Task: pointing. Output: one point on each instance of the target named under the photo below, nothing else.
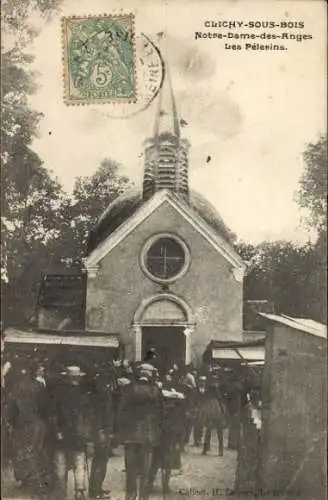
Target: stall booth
(55, 349)
(238, 368)
(293, 452)
(240, 362)
(285, 455)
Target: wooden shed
(292, 455)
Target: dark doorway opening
(169, 342)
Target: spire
(166, 119)
(166, 153)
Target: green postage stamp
(99, 59)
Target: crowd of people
(53, 421)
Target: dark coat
(190, 408)
(140, 413)
(213, 411)
(173, 421)
(173, 432)
(27, 417)
(26, 405)
(200, 396)
(73, 415)
(103, 408)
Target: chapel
(160, 269)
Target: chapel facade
(161, 270)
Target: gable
(166, 199)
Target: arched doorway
(165, 322)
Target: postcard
(163, 256)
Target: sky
(252, 112)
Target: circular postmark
(150, 71)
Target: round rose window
(164, 258)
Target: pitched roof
(302, 324)
(128, 203)
(145, 210)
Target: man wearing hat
(199, 399)
(187, 386)
(167, 455)
(152, 358)
(139, 418)
(102, 403)
(72, 424)
(27, 417)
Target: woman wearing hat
(72, 424)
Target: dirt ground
(201, 477)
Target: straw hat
(146, 370)
(123, 381)
(73, 371)
(146, 367)
(189, 381)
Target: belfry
(166, 153)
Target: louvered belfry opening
(166, 153)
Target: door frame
(188, 325)
(179, 332)
(188, 330)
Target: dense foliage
(294, 277)
(40, 224)
(313, 184)
(290, 276)
(42, 227)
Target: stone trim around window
(146, 247)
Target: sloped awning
(302, 324)
(55, 337)
(249, 352)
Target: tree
(19, 122)
(91, 196)
(313, 196)
(29, 196)
(283, 273)
(293, 276)
(31, 223)
(313, 184)
(40, 224)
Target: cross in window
(165, 258)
